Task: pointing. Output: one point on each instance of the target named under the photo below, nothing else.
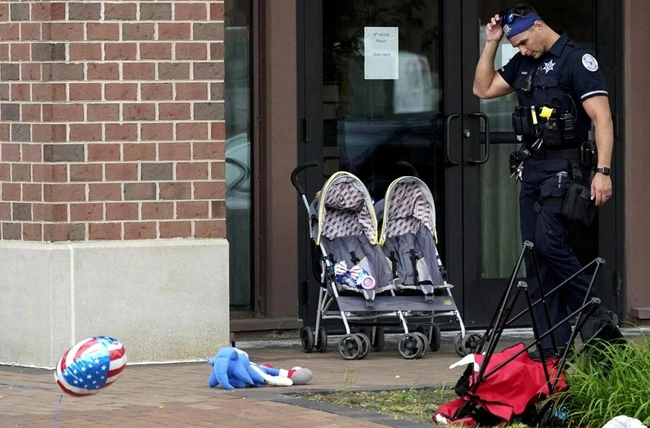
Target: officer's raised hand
(493, 30)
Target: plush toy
(298, 375)
(232, 369)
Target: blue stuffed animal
(233, 369)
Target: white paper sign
(381, 52)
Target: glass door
(387, 91)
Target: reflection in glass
(372, 126)
(238, 150)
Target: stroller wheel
(377, 340)
(436, 339)
(468, 344)
(425, 341)
(321, 344)
(307, 339)
(365, 346)
(350, 346)
(410, 346)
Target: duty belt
(573, 155)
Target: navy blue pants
(543, 225)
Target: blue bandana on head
(520, 24)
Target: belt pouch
(578, 207)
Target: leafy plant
(608, 380)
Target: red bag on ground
(508, 392)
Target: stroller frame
(381, 310)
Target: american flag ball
(90, 365)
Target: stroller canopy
(345, 209)
(408, 205)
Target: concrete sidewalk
(177, 395)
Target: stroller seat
(348, 231)
(408, 236)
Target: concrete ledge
(165, 300)
(640, 313)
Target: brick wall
(111, 120)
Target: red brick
(210, 190)
(173, 31)
(32, 232)
(138, 111)
(4, 53)
(86, 172)
(11, 32)
(209, 151)
(30, 72)
(140, 230)
(156, 91)
(216, 11)
(58, 232)
(103, 112)
(174, 111)
(49, 92)
(4, 11)
(5, 211)
(175, 229)
(193, 209)
(120, 51)
(105, 231)
(40, 11)
(191, 91)
(20, 52)
(218, 170)
(218, 131)
(5, 172)
(159, 51)
(192, 171)
(30, 31)
(103, 31)
(191, 51)
(103, 71)
(51, 212)
(85, 91)
(190, 11)
(21, 92)
(192, 131)
(31, 113)
(139, 151)
(11, 191)
(210, 229)
(85, 51)
(121, 132)
(139, 191)
(64, 31)
(87, 212)
(50, 173)
(218, 209)
(174, 151)
(63, 113)
(103, 152)
(32, 192)
(138, 71)
(48, 133)
(121, 171)
(157, 210)
(120, 12)
(86, 132)
(32, 153)
(105, 192)
(175, 191)
(4, 132)
(121, 91)
(156, 131)
(64, 192)
(122, 211)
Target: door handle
(448, 120)
(486, 155)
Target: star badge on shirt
(548, 66)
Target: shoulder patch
(589, 62)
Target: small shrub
(608, 380)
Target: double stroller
(378, 267)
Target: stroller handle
(297, 170)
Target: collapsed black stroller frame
(502, 319)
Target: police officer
(550, 71)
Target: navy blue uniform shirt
(566, 67)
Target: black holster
(578, 207)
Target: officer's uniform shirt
(566, 67)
